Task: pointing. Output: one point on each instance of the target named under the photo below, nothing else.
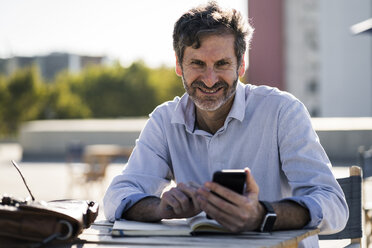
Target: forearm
(290, 215)
(144, 210)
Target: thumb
(251, 186)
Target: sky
(120, 29)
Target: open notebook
(198, 224)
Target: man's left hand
(238, 212)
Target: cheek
(190, 76)
(229, 77)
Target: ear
(242, 68)
(178, 67)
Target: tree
(22, 96)
(4, 99)
(95, 92)
(115, 91)
(61, 103)
(166, 83)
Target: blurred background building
(307, 48)
(50, 65)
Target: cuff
(128, 202)
(316, 214)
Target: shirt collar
(237, 110)
(185, 109)
(184, 113)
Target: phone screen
(232, 179)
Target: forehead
(213, 47)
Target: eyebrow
(227, 59)
(196, 60)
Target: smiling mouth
(210, 91)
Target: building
(50, 65)
(307, 48)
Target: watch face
(271, 218)
(268, 223)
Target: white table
(98, 235)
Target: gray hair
(210, 19)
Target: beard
(213, 102)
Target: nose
(210, 77)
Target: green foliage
(4, 99)
(95, 92)
(22, 96)
(115, 91)
(63, 104)
(167, 84)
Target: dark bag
(43, 222)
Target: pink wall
(266, 62)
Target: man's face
(210, 73)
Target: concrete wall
(50, 138)
(340, 137)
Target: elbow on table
(335, 222)
(108, 209)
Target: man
(221, 123)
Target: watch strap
(269, 218)
(267, 206)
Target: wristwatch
(269, 219)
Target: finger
(189, 191)
(224, 192)
(221, 213)
(251, 185)
(170, 202)
(234, 218)
(177, 200)
(194, 185)
(208, 201)
(182, 197)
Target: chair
(352, 187)
(98, 157)
(75, 166)
(88, 164)
(365, 162)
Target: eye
(222, 63)
(197, 62)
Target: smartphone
(233, 179)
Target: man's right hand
(179, 202)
